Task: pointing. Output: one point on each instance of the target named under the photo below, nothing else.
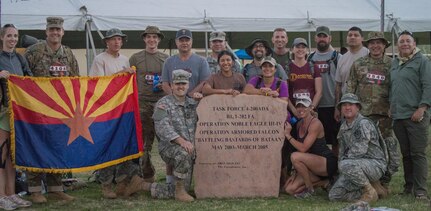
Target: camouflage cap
(376, 36)
(298, 41)
(323, 30)
(54, 22)
(114, 32)
(153, 30)
(270, 60)
(217, 35)
(180, 76)
(304, 100)
(349, 98)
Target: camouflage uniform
(369, 79)
(147, 65)
(361, 159)
(44, 62)
(173, 120)
(215, 67)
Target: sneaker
(306, 193)
(422, 197)
(19, 201)
(7, 204)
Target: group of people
(351, 102)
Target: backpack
(333, 59)
(277, 87)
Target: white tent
(226, 15)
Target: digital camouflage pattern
(361, 159)
(41, 59)
(172, 119)
(369, 79)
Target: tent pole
(382, 16)
(206, 44)
(87, 48)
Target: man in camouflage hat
(259, 49)
(50, 59)
(361, 157)
(149, 64)
(108, 63)
(175, 120)
(217, 45)
(369, 79)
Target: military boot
(121, 188)
(369, 194)
(60, 195)
(107, 191)
(181, 193)
(381, 191)
(38, 198)
(137, 184)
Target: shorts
(4, 119)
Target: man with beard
(217, 45)
(325, 60)
(356, 51)
(259, 49)
(281, 53)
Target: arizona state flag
(74, 124)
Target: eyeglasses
(405, 32)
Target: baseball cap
(298, 41)
(304, 100)
(183, 33)
(323, 30)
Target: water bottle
(156, 81)
(293, 120)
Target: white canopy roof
(225, 15)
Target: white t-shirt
(106, 64)
(344, 65)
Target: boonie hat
(264, 42)
(114, 32)
(180, 76)
(323, 30)
(153, 30)
(183, 33)
(349, 98)
(298, 41)
(304, 100)
(270, 60)
(54, 22)
(376, 36)
(217, 35)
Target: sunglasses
(405, 32)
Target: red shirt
(301, 81)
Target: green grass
(91, 199)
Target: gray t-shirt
(344, 65)
(196, 65)
(328, 77)
(251, 70)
